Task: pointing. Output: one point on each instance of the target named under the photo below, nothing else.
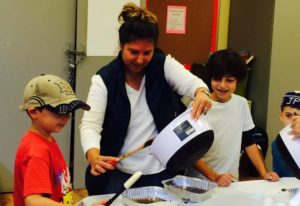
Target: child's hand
(295, 125)
(271, 176)
(224, 180)
(100, 203)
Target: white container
(183, 141)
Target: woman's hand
(100, 164)
(202, 102)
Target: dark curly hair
(226, 62)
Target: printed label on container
(184, 130)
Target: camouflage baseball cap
(52, 92)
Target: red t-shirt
(40, 168)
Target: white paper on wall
(103, 25)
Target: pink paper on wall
(176, 19)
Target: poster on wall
(103, 25)
(176, 19)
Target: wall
(223, 24)
(250, 28)
(270, 30)
(285, 64)
(85, 70)
(33, 39)
(198, 30)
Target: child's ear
(32, 112)
(281, 116)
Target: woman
(132, 99)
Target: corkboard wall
(194, 45)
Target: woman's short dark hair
(226, 63)
(137, 23)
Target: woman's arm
(180, 79)
(185, 83)
(92, 120)
(91, 126)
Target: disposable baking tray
(189, 188)
(149, 196)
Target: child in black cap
(290, 107)
(41, 176)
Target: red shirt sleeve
(36, 171)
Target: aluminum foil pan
(292, 192)
(149, 196)
(189, 188)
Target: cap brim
(68, 108)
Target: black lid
(193, 150)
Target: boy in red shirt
(41, 176)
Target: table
(245, 193)
(255, 192)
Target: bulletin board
(194, 45)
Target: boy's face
(287, 114)
(223, 88)
(47, 122)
